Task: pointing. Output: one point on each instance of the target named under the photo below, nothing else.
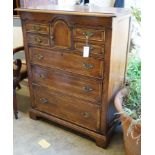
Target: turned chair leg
(19, 87)
(15, 104)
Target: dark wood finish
(15, 109)
(16, 4)
(19, 73)
(65, 87)
(17, 49)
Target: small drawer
(67, 108)
(37, 28)
(67, 61)
(38, 40)
(92, 34)
(94, 49)
(83, 88)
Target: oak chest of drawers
(65, 87)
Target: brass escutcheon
(86, 114)
(88, 34)
(87, 89)
(42, 76)
(44, 100)
(88, 66)
(39, 56)
(36, 27)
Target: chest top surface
(82, 10)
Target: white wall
(66, 2)
(110, 3)
(17, 33)
(102, 3)
(135, 3)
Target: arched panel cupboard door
(61, 35)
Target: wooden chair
(19, 73)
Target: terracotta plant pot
(132, 140)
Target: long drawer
(67, 61)
(83, 88)
(71, 109)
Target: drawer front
(68, 84)
(67, 108)
(92, 34)
(67, 62)
(38, 40)
(94, 49)
(37, 28)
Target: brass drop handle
(86, 114)
(88, 34)
(38, 40)
(52, 40)
(91, 47)
(52, 37)
(42, 76)
(39, 56)
(44, 100)
(87, 89)
(36, 27)
(88, 66)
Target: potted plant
(128, 104)
(128, 100)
